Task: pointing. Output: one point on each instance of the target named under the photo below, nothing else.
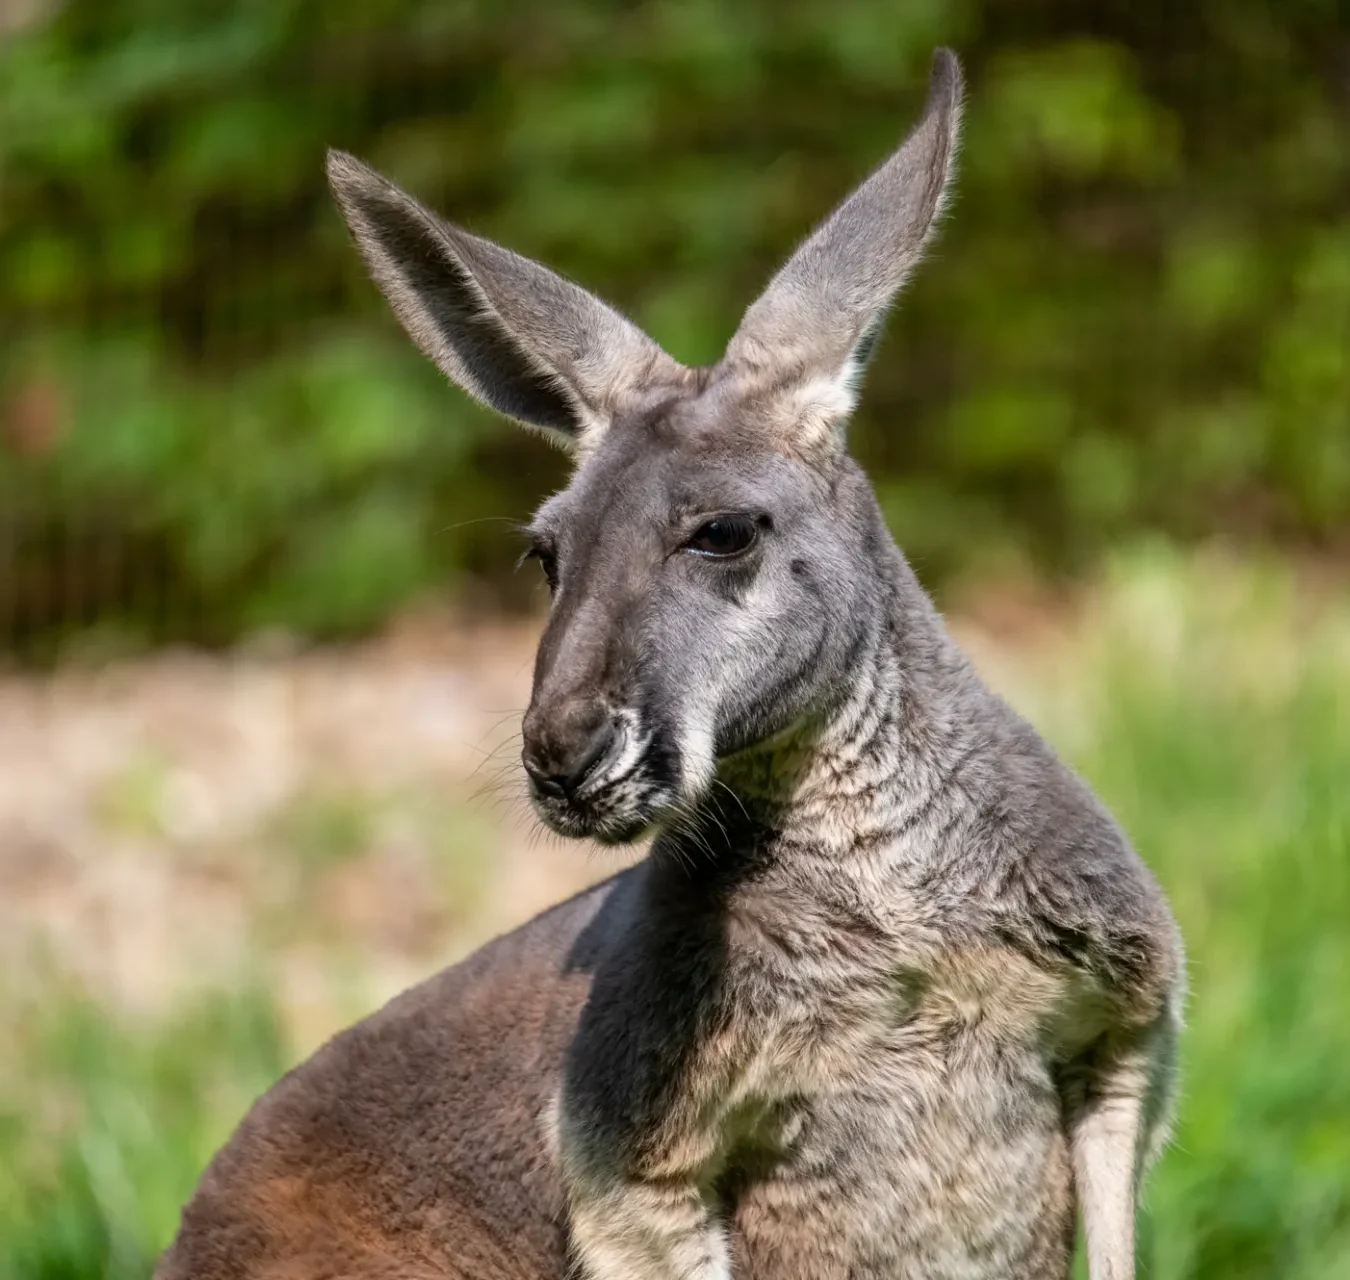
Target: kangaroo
(890, 995)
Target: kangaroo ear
(811, 331)
(521, 339)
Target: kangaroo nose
(560, 771)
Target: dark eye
(724, 536)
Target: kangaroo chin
(890, 995)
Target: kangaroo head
(713, 560)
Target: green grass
(1211, 707)
(111, 1124)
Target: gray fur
(890, 996)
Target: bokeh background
(262, 647)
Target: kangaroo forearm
(656, 1231)
(1119, 1104)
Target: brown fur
(414, 1143)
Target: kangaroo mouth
(617, 812)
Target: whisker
(464, 524)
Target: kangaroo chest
(849, 979)
(868, 1074)
(902, 1082)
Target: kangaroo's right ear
(510, 332)
(811, 331)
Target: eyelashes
(725, 536)
(548, 562)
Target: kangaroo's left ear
(812, 330)
(523, 340)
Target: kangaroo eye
(724, 536)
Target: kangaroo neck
(862, 774)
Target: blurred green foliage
(1139, 315)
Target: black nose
(560, 771)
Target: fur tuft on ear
(812, 330)
(512, 333)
